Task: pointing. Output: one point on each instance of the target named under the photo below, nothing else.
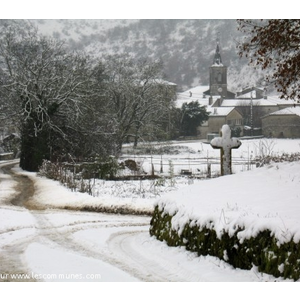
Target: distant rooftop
(193, 94)
(219, 111)
(196, 94)
(287, 111)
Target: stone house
(284, 123)
(217, 118)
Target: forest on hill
(186, 47)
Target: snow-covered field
(267, 197)
(59, 245)
(140, 195)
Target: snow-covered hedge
(262, 250)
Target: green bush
(103, 168)
(262, 250)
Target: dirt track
(11, 262)
(24, 189)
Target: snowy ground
(140, 195)
(52, 244)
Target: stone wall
(281, 126)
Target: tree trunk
(34, 148)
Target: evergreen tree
(192, 116)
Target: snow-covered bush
(262, 250)
(51, 170)
(262, 160)
(78, 177)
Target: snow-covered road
(51, 245)
(61, 245)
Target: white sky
(135, 9)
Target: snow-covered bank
(265, 198)
(51, 194)
(246, 219)
(139, 196)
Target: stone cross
(225, 143)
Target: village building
(218, 78)
(245, 111)
(284, 123)
(217, 118)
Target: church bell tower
(218, 75)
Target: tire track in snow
(62, 238)
(146, 265)
(121, 250)
(48, 232)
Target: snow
(270, 101)
(287, 111)
(220, 111)
(74, 29)
(193, 94)
(226, 143)
(6, 184)
(64, 267)
(53, 194)
(196, 94)
(264, 198)
(69, 245)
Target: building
(252, 92)
(218, 78)
(217, 118)
(243, 111)
(284, 123)
(212, 97)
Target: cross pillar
(225, 143)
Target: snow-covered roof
(270, 101)
(287, 111)
(193, 94)
(196, 94)
(219, 111)
(217, 65)
(248, 95)
(158, 81)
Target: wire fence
(192, 166)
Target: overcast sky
(136, 9)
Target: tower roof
(217, 57)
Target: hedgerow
(262, 250)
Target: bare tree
(45, 87)
(138, 97)
(68, 105)
(274, 45)
(251, 113)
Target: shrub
(262, 250)
(77, 177)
